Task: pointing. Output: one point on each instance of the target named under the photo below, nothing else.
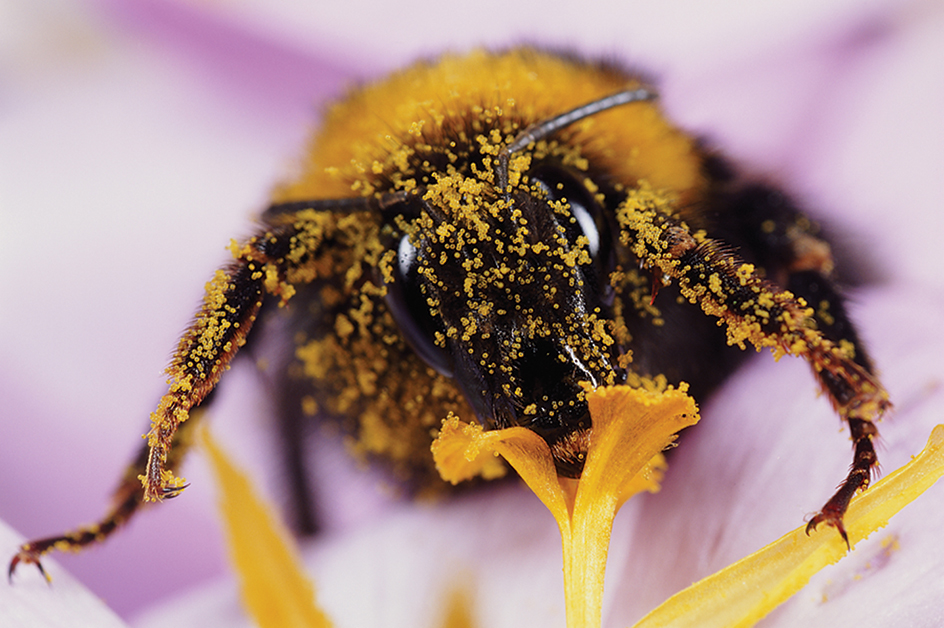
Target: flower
(632, 426)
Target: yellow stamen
(630, 429)
(458, 609)
(743, 593)
(275, 589)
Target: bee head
(499, 278)
(509, 294)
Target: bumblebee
(486, 234)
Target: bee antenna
(541, 130)
(338, 205)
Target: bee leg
(864, 461)
(204, 352)
(270, 263)
(787, 244)
(833, 321)
(831, 317)
(758, 311)
(774, 234)
(127, 498)
(829, 311)
(293, 432)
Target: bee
(485, 234)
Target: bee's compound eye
(582, 222)
(585, 218)
(409, 303)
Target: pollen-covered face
(508, 291)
